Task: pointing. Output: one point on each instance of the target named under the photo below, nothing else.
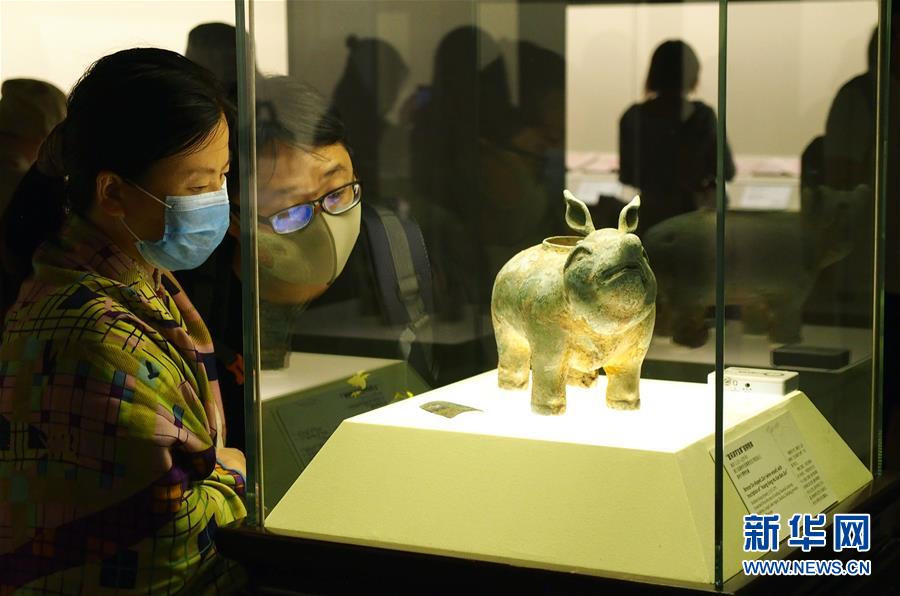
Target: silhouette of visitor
(366, 92)
(667, 143)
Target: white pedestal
(594, 491)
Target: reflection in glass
(297, 217)
(667, 144)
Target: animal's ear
(580, 251)
(628, 218)
(577, 215)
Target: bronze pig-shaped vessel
(572, 305)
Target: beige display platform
(594, 491)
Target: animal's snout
(628, 256)
(630, 240)
(631, 248)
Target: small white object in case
(757, 380)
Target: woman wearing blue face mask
(113, 471)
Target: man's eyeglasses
(335, 202)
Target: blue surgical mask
(194, 227)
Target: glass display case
(700, 360)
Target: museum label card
(774, 471)
(765, 197)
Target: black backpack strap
(403, 276)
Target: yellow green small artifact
(575, 304)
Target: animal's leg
(786, 321)
(622, 390)
(689, 327)
(548, 389)
(755, 318)
(514, 357)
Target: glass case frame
(249, 188)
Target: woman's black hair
(294, 113)
(129, 110)
(674, 68)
